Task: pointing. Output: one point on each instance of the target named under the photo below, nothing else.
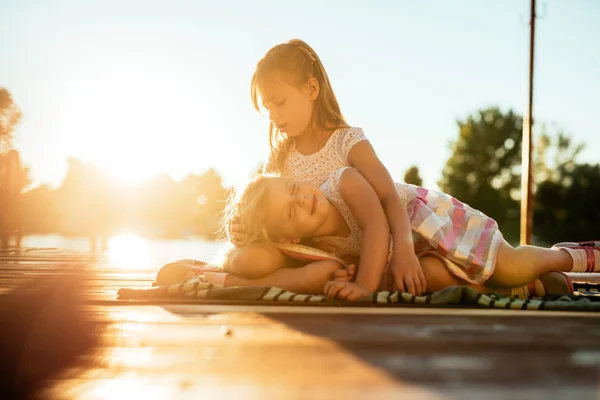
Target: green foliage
(88, 200)
(567, 193)
(412, 176)
(483, 170)
(10, 116)
(567, 209)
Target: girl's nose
(303, 200)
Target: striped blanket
(195, 290)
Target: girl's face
(290, 107)
(296, 210)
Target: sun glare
(125, 113)
(128, 252)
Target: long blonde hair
(298, 60)
(248, 207)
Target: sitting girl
(344, 217)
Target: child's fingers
(355, 295)
(423, 281)
(351, 269)
(417, 283)
(410, 285)
(341, 273)
(400, 284)
(334, 288)
(334, 292)
(398, 280)
(327, 286)
(344, 292)
(341, 276)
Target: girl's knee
(252, 261)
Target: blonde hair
(298, 60)
(248, 207)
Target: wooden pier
(222, 351)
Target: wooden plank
(159, 352)
(279, 351)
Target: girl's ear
(313, 89)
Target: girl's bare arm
(408, 273)
(308, 279)
(363, 202)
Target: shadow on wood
(44, 329)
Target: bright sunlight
(120, 111)
(128, 252)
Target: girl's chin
(291, 134)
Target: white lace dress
(465, 239)
(315, 168)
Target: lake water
(132, 252)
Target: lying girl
(345, 217)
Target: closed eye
(290, 190)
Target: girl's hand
(345, 290)
(408, 274)
(345, 274)
(238, 234)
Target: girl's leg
(308, 279)
(524, 264)
(438, 277)
(585, 255)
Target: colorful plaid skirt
(466, 237)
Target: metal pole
(527, 147)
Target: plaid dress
(465, 239)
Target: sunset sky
(147, 87)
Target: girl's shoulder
(344, 139)
(332, 183)
(348, 131)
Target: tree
(567, 193)
(484, 172)
(412, 176)
(207, 201)
(484, 168)
(554, 153)
(10, 115)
